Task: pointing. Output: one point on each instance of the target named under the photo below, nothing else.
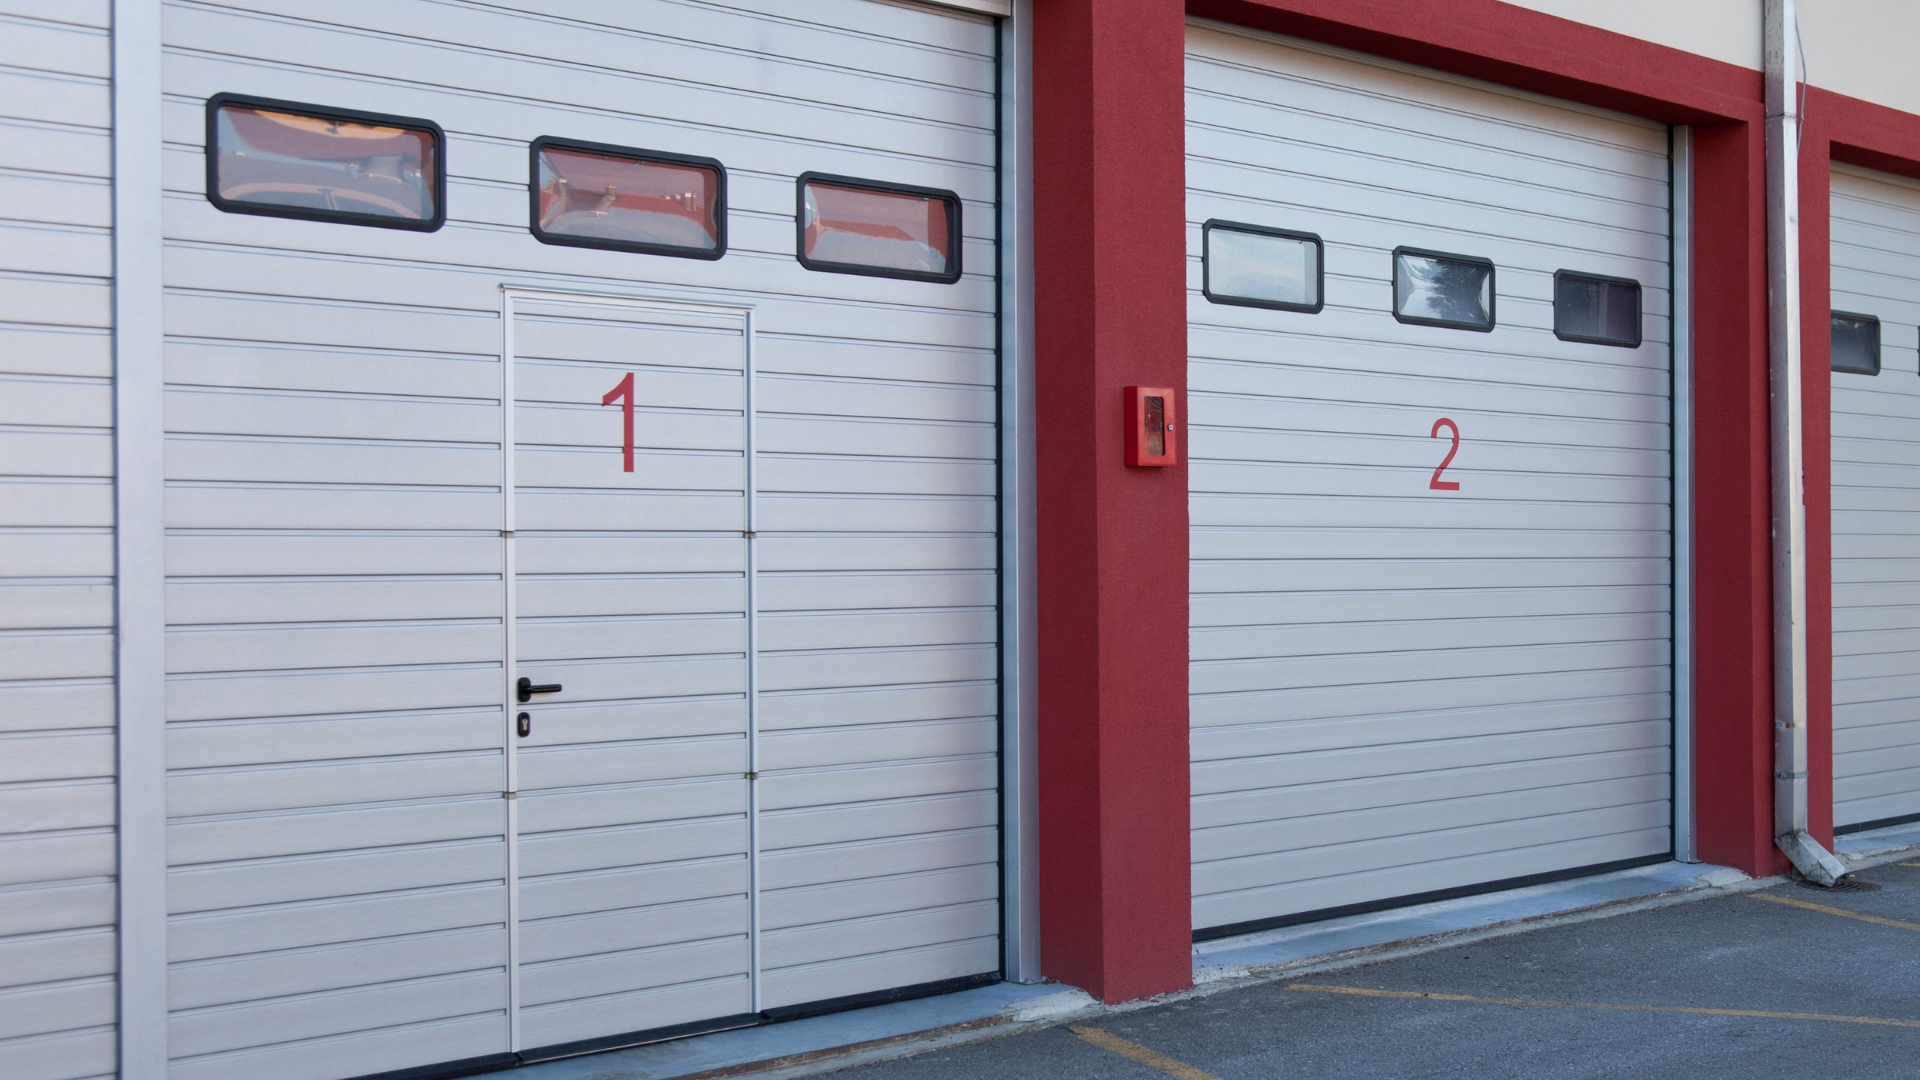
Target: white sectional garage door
(1876, 506)
(1401, 688)
(759, 767)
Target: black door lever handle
(527, 689)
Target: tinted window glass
(1437, 289)
(1258, 267)
(1856, 343)
(608, 197)
(1596, 309)
(361, 168)
(881, 229)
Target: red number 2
(1436, 483)
(624, 391)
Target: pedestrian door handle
(527, 689)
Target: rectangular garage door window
(594, 195)
(1598, 309)
(1856, 343)
(850, 226)
(1433, 288)
(1255, 266)
(285, 159)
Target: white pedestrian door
(1876, 500)
(630, 679)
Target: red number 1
(1436, 483)
(624, 392)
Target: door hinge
(748, 534)
(509, 794)
(506, 534)
(753, 776)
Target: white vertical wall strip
(1683, 812)
(140, 568)
(1019, 597)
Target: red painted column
(1816, 384)
(1733, 651)
(1110, 312)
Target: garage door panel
(1266, 807)
(305, 972)
(640, 762)
(1345, 612)
(1510, 236)
(323, 877)
(611, 637)
(1323, 82)
(246, 696)
(1286, 735)
(1306, 440)
(872, 705)
(1484, 806)
(1307, 639)
(1241, 141)
(1471, 544)
(897, 552)
(259, 789)
(716, 875)
(1455, 872)
(1249, 770)
(1378, 348)
(876, 513)
(1875, 431)
(1236, 609)
(1318, 671)
(874, 783)
(877, 667)
(904, 892)
(1482, 467)
(867, 974)
(1325, 862)
(831, 592)
(873, 820)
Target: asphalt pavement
(1788, 981)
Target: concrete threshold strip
(1611, 1006)
(839, 1041)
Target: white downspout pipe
(1783, 78)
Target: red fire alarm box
(1150, 426)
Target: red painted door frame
(1110, 311)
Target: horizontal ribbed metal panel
(1876, 505)
(57, 868)
(1397, 689)
(350, 892)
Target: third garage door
(1876, 491)
(1431, 483)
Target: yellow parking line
(1907, 864)
(1361, 991)
(1152, 1059)
(1842, 912)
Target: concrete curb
(1072, 1004)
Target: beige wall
(1863, 48)
(1726, 30)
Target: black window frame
(629, 153)
(1206, 266)
(955, 216)
(325, 112)
(1879, 343)
(1639, 331)
(1493, 291)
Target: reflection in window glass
(1856, 343)
(1261, 267)
(603, 198)
(1601, 310)
(1442, 290)
(277, 160)
(893, 233)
